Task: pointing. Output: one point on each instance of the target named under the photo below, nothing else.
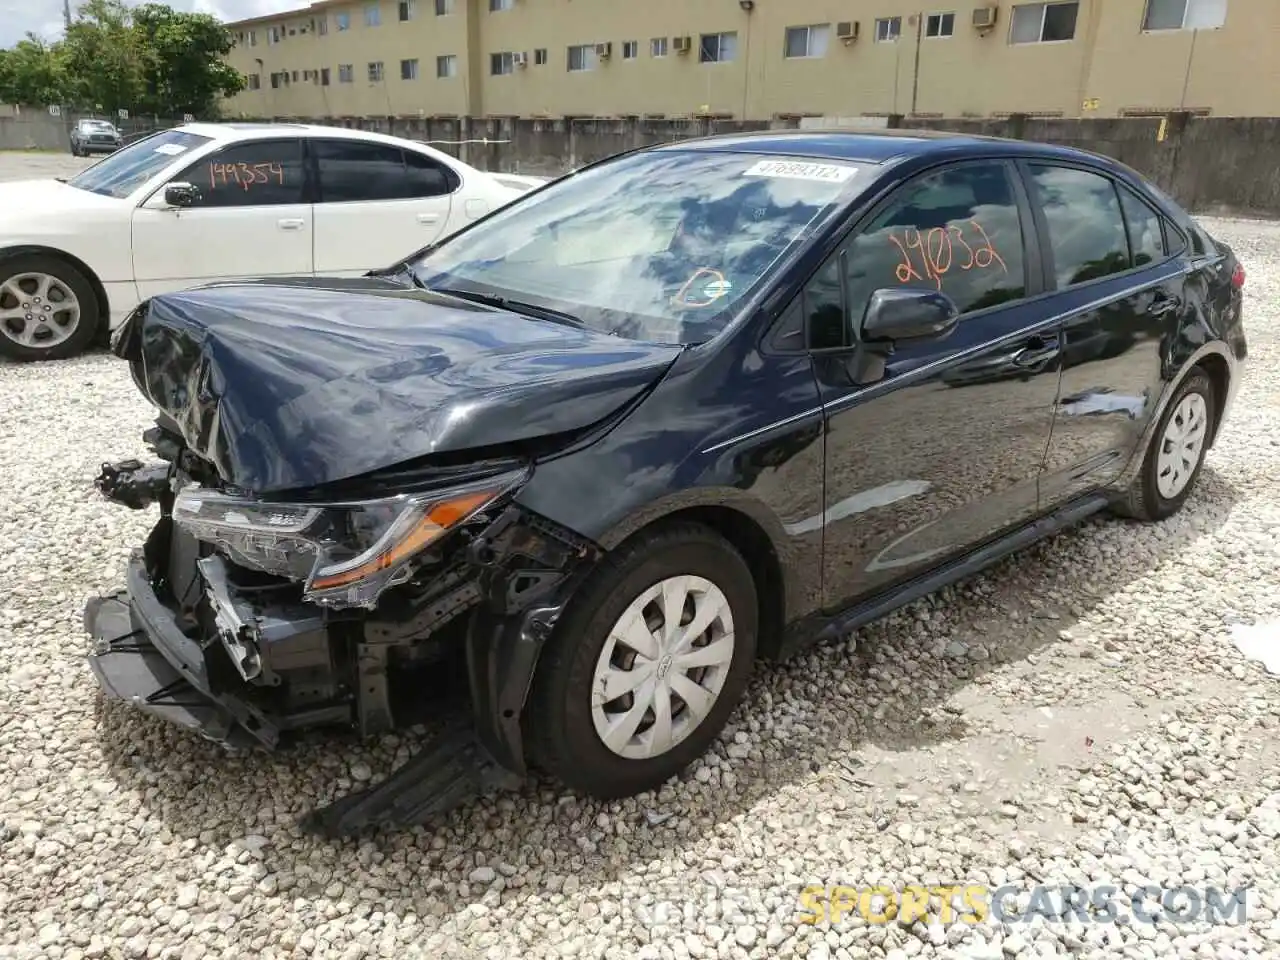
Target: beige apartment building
(760, 59)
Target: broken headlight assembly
(344, 554)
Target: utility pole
(66, 13)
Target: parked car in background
(94, 136)
(676, 411)
(207, 202)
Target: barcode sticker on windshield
(801, 170)
(172, 149)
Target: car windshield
(101, 126)
(659, 246)
(126, 170)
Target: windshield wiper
(517, 306)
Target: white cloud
(44, 17)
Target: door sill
(862, 613)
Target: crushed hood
(284, 385)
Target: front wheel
(48, 310)
(1176, 455)
(646, 665)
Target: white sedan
(205, 202)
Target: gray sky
(44, 17)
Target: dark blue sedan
(681, 409)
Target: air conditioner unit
(604, 50)
(521, 59)
(984, 18)
(682, 44)
(847, 30)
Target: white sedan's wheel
(48, 308)
(38, 310)
(1182, 444)
(662, 667)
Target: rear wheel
(1176, 455)
(48, 310)
(646, 665)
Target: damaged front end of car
(249, 615)
(244, 620)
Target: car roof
(264, 131)
(871, 146)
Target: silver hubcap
(37, 310)
(1181, 445)
(662, 667)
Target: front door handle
(291, 224)
(428, 218)
(1162, 305)
(1037, 351)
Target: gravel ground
(1076, 716)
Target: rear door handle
(428, 218)
(1038, 350)
(291, 224)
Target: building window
(405, 10)
(888, 29)
(346, 73)
(446, 67)
(254, 81)
(630, 49)
(1044, 22)
(372, 15)
(375, 71)
(717, 47)
(496, 5)
(940, 25)
(501, 64)
(253, 38)
(344, 20)
(805, 42)
(444, 8)
(295, 76)
(1184, 14)
(408, 69)
(540, 57)
(582, 58)
(324, 76)
(658, 47)
(275, 81)
(322, 26)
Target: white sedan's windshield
(656, 246)
(126, 170)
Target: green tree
(103, 58)
(185, 70)
(32, 73)
(152, 59)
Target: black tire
(75, 151)
(90, 315)
(559, 726)
(1143, 500)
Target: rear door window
(355, 170)
(1145, 228)
(1087, 236)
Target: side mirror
(181, 194)
(907, 315)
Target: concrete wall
(1208, 164)
(32, 128)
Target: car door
(376, 203)
(1107, 254)
(942, 451)
(250, 218)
